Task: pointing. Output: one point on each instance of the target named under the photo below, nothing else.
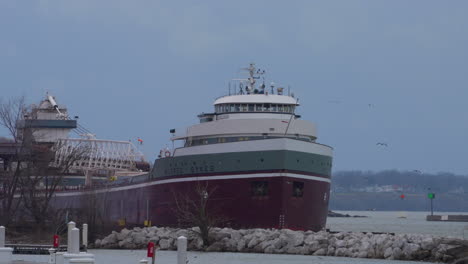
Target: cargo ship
(253, 160)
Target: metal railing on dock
(29, 249)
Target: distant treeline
(398, 190)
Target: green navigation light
(431, 195)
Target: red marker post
(56, 241)
(151, 253)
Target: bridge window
(244, 108)
(273, 108)
(258, 107)
(237, 108)
(280, 108)
(251, 107)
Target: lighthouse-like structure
(46, 123)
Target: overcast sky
(365, 71)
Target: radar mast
(254, 74)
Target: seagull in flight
(382, 144)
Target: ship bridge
(251, 113)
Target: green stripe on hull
(243, 161)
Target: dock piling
(181, 250)
(2, 236)
(5, 252)
(71, 225)
(52, 256)
(74, 247)
(85, 236)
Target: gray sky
(139, 68)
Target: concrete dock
(447, 218)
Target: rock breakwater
(285, 241)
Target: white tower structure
(49, 123)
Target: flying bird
(382, 144)
(417, 171)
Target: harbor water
(398, 222)
(394, 222)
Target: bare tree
(11, 112)
(93, 212)
(198, 208)
(40, 180)
(32, 176)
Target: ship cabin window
(224, 108)
(297, 189)
(259, 188)
(258, 107)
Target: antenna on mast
(254, 74)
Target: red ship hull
(232, 198)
